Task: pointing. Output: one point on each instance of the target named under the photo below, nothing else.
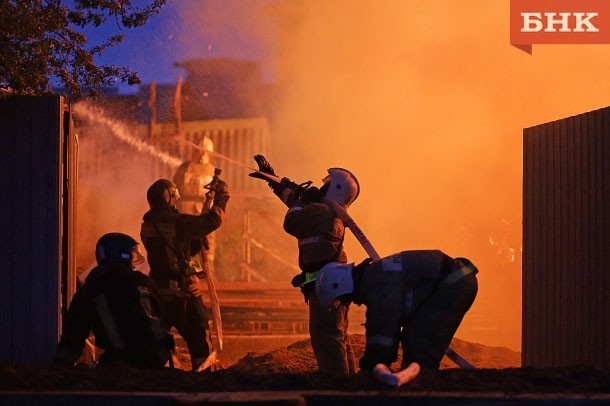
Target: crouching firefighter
(122, 308)
(320, 237)
(415, 298)
(172, 240)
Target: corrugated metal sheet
(34, 219)
(566, 242)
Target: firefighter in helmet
(122, 308)
(192, 176)
(320, 236)
(172, 240)
(415, 298)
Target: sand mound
(299, 357)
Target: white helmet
(207, 144)
(201, 153)
(343, 188)
(335, 279)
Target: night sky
(189, 29)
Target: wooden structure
(237, 139)
(566, 242)
(39, 178)
(270, 308)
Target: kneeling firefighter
(122, 308)
(415, 298)
(172, 240)
(320, 236)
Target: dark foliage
(42, 43)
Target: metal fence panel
(566, 242)
(33, 224)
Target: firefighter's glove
(221, 187)
(363, 264)
(193, 289)
(221, 196)
(375, 354)
(298, 280)
(286, 190)
(265, 167)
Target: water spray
(123, 132)
(233, 161)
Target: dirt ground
(293, 368)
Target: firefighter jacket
(319, 232)
(191, 177)
(171, 239)
(122, 308)
(393, 289)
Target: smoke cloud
(425, 102)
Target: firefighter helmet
(207, 144)
(201, 154)
(342, 186)
(116, 248)
(163, 193)
(335, 279)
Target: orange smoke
(425, 102)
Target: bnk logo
(559, 22)
(532, 22)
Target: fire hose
(370, 250)
(368, 247)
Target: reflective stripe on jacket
(172, 238)
(319, 232)
(393, 288)
(121, 307)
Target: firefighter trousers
(329, 339)
(428, 332)
(187, 314)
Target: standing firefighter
(191, 179)
(192, 176)
(415, 298)
(172, 240)
(320, 237)
(121, 306)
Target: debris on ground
(293, 368)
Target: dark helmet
(116, 248)
(163, 193)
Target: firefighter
(192, 176)
(415, 298)
(172, 240)
(320, 236)
(190, 179)
(122, 308)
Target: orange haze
(425, 101)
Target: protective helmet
(117, 248)
(207, 144)
(163, 193)
(201, 154)
(335, 279)
(342, 186)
